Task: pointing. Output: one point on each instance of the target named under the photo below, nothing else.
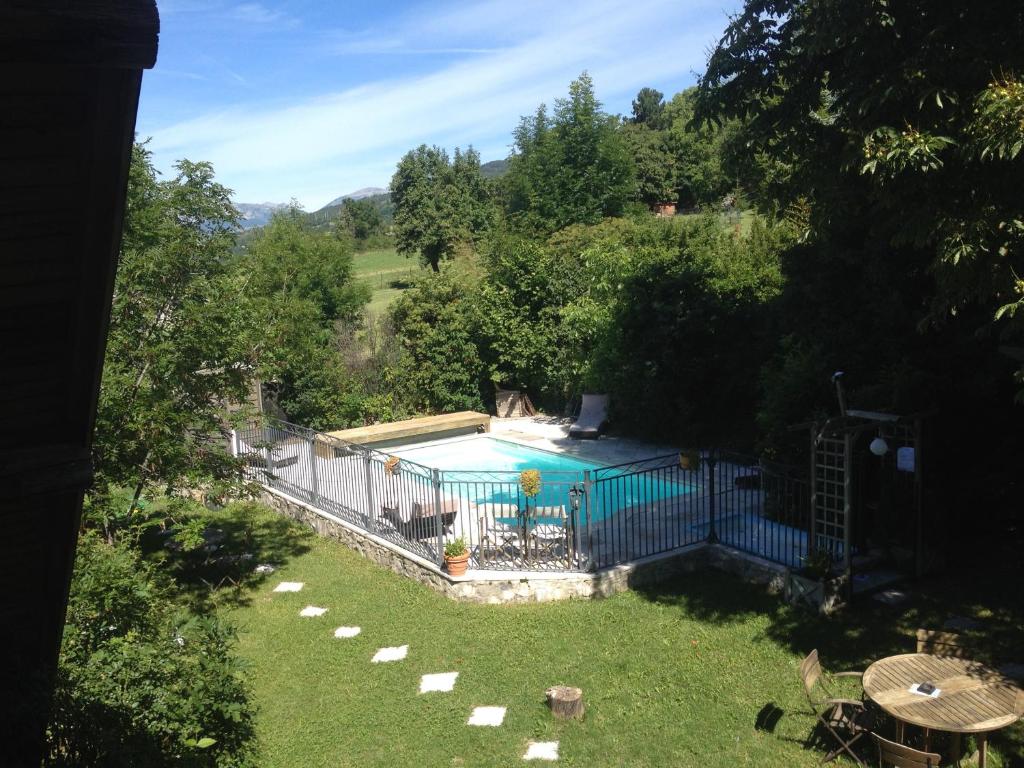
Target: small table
(972, 698)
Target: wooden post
(566, 702)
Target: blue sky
(309, 99)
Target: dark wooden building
(70, 72)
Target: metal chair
(549, 537)
(500, 540)
(841, 717)
(892, 754)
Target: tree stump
(565, 702)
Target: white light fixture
(879, 447)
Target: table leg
(982, 749)
(900, 729)
(927, 740)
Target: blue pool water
(485, 470)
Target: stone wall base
(481, 586)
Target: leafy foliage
(440, 204)
(176, 350)
(572, 167)
(142, 681)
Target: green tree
(176, 349)
(440, 204)
(655, 163)
(302, 292)
(435, 325)
(361, 219)
(141, 680)
(649, 108)
(570, 168)
(698, 153)
(895, 125)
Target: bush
(142, 681)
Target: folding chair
(898, 756)
(846, 719)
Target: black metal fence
(576, 521)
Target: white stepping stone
(541, 750)
(493, 716)
(289, 586)
(390, 654)
(312, 610)
(341, 632)
(443, 682)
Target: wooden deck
(444, 424)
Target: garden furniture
(846, 719)
(899, 756)
(968, 697)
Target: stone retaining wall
(482, 586)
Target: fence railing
(578, 521)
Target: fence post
(436, 481)
(312, 469)
(371, 514)
(268, 455)
(234, 443)
(587, 483)
(712, 460)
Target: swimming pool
(484, 469)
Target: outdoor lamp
(878, 446)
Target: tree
(570, 168)
(361, 219)
(176, 350)
(655, 163)
(649, 108)
(440, 204)
(701, 178)
(142, 681)
(301, 289)
(898, 125)
(435, 325)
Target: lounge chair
(592, 418)
(419, 523)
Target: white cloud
(257, 13)
(317, 148)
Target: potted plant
(456, 557)
(814, 584)
(689, 460)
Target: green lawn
(387, 273)
(699, 672)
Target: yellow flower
(529, 481)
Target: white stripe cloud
(320, 147)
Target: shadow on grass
(866, 630)
(238, 538)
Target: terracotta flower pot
(457, 565)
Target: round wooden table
(972, 698)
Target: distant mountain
(359, 194)
(380, 200)
(494, 169)
(258, 214)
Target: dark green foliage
(893, 126)
(176, 348)
(306, 299)
(655, 163)
(569, 168)
(649, 108)
(440, 204)
(141, 680)
(361, 219)
(441, 371)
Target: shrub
(142, 681)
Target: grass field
(698, 672)
(387, 273)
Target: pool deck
(551, 433)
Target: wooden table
(972, 699)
